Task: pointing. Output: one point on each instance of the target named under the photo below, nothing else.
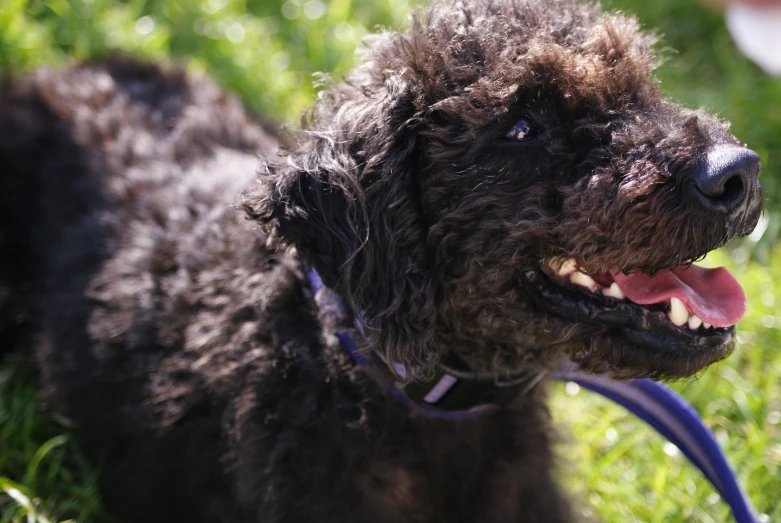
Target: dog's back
(122, 254)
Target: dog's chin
(629, 339)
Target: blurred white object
(757, 31)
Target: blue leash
(651, 401)
(676, 420)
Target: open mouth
(686, 306)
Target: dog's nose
(726, 177)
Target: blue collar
(651, 401)
(453, 392)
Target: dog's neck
(454, 391)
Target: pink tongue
(712, 294)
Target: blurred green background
(267, 52)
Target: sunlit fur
(182, 342)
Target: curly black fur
(183, 340)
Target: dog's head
(507, 182)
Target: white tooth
(614, 292)
(694, 322)
(678, 313)
(584, 280)
(707, 325)
(567, 268)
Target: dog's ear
(319, 210)
(349, 201)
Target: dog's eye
(522, 130)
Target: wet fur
(182, 338)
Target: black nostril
(725, 177)
(733, 189)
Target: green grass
(264, 50)
(42, 474)
(267, 51)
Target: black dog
(503, 187)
